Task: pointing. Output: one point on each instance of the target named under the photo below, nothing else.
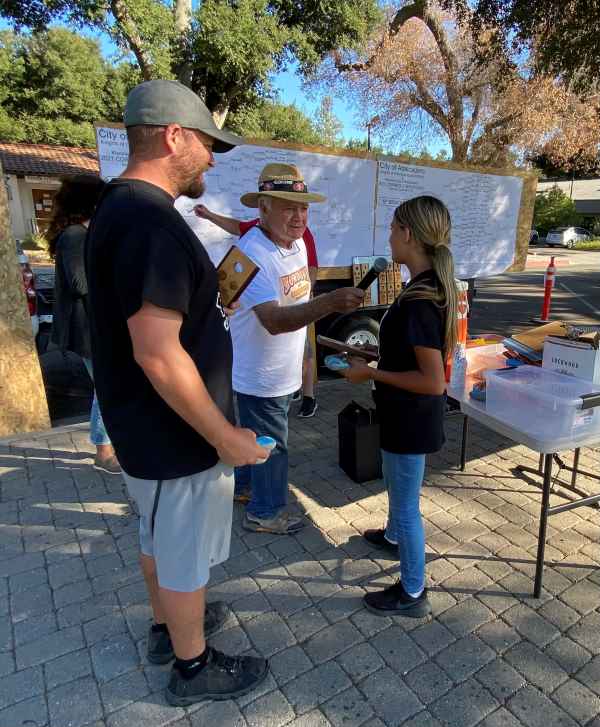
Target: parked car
(534, 237)
(44, 285)
(567, 236)
(29, 287)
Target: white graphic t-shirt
(266, 365)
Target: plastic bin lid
(547, 384)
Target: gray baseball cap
(160, 103)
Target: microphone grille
(380, 265)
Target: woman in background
(73, 207)
(417, 333)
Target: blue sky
(290, 86)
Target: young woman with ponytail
(417, 333)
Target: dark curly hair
(75, 203)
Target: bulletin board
(491, 209)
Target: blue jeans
(98, 433)
(403, 477)
(268, 482)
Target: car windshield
(559, 229)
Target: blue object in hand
(336, 363)
(266, 442)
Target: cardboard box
(368, 299)
(574, 358)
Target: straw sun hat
(283, 181)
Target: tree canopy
(328, 125)
(224, 49)
(421, 74)
(554, 209)
(54, 84)
(354, 144)
(564, 33)
(275, 121)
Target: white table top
(476, 410)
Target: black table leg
(463, 449)
(575, 466)
(539, 568)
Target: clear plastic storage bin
(541, 402)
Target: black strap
(155, 506)
(283, 185)
(507, 370)
(590, 401)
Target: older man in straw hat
(269, 332)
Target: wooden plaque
(236, 271)
(342, 347)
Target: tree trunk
(183, 15)
(183, 19)
(23, 406)
(219, 114)
(452, 121)
(459, 150)
(135, 41)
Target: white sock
(417, 594)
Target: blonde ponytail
(443, 266)
(429, 222)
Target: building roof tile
(45, 160)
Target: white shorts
(185, 524)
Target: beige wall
(584, 190)
(22, 213)
(17, 219)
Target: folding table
(548, 450)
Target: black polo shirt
(410, 423)
(139, 248)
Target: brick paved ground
(73, 617)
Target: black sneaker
(297, 395)
(378, 539)
(395, 601)
(223, 677)
(160, 648)
(308, 408)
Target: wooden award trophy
(236, 271)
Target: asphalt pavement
(507, 303)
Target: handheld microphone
(379, 266)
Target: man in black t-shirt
(162, 367)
